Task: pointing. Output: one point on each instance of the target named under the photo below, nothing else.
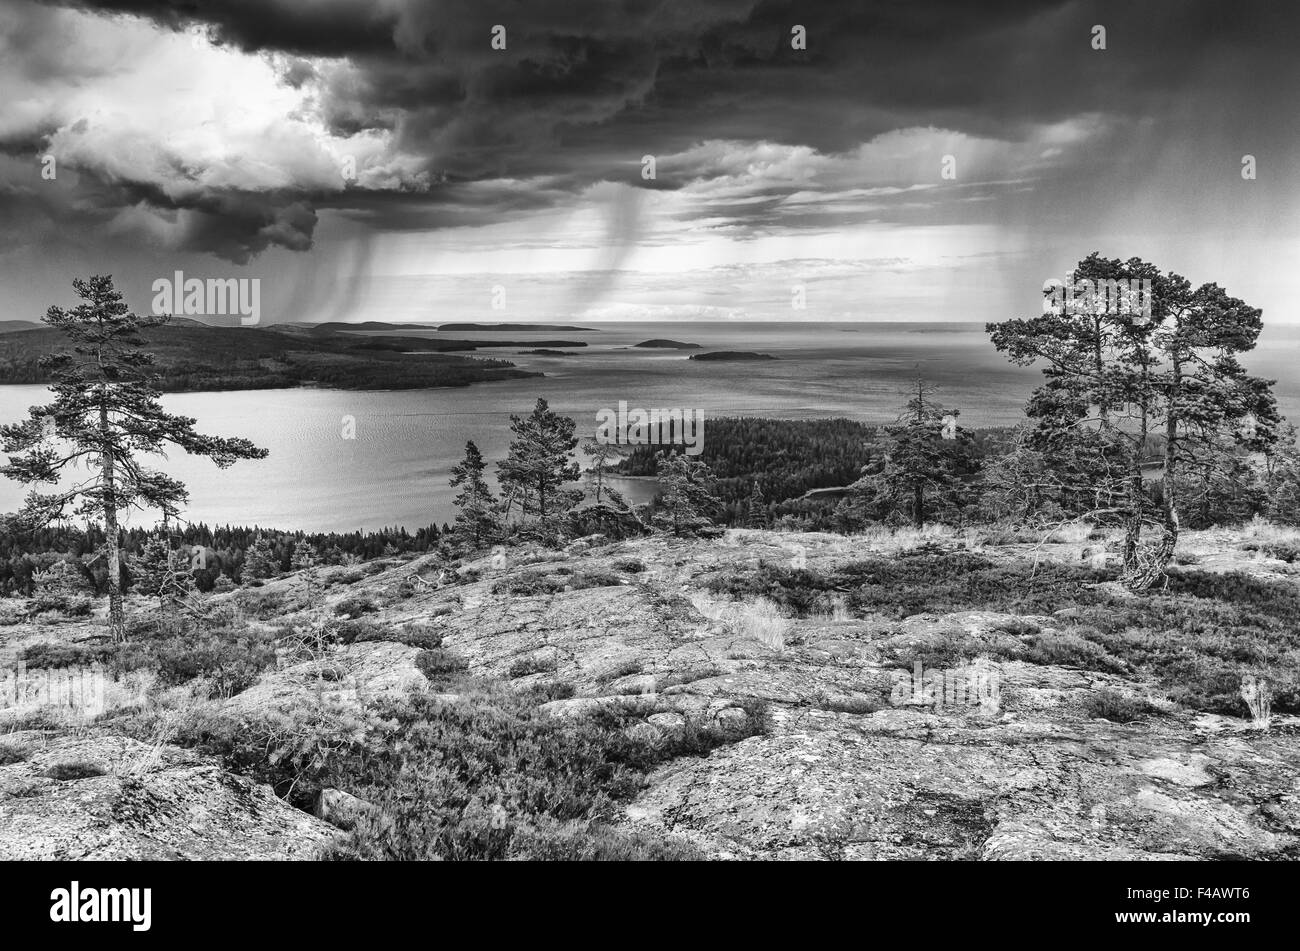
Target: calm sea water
(395, 470)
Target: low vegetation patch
(511, 783)
(488, 776)
(547, 691)
(529, 584)
(1198, 636)
(66, 772)
(228, 654)
(1118, 707)
(269, 605)
(229, 660)
(355, 607)
(1067, 648)
(689, 676)
(535, 664)
(595, 578)
(439, 664)
(917, 581)
(51, 656)
(1283, 551)
(358, 631)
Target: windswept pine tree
(688, 501)
(476, 516)
(539, 463)
(106, 414)
(1133, 393)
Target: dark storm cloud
(585, 87)
(236, 226)
(233, 225)
(318, 28)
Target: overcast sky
(378, 159)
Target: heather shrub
(438, 664)
(1120, 707)
(355, 606)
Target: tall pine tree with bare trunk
(106, 414)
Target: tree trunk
(1137, 498)
(116, 619)
(1146, 576)
(1169, 496)
(1133, 532)
(918, 506)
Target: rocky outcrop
(851, 769)
(864, 757)
(107, 797)
(357, 672)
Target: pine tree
(105, 414)
(149, 568)
(756, 508)
(602, 455)
(476, 519)
(688, 500)
(1282, 478)
(304, 556)
(1123, 390)
(260, 562)
(305, 560)
(538, 463)
(922, 450)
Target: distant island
(513, 328)
(546, 353)
(736, 355)
(342, 326)
(668, 345)
(192, 356)
(383, 326)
